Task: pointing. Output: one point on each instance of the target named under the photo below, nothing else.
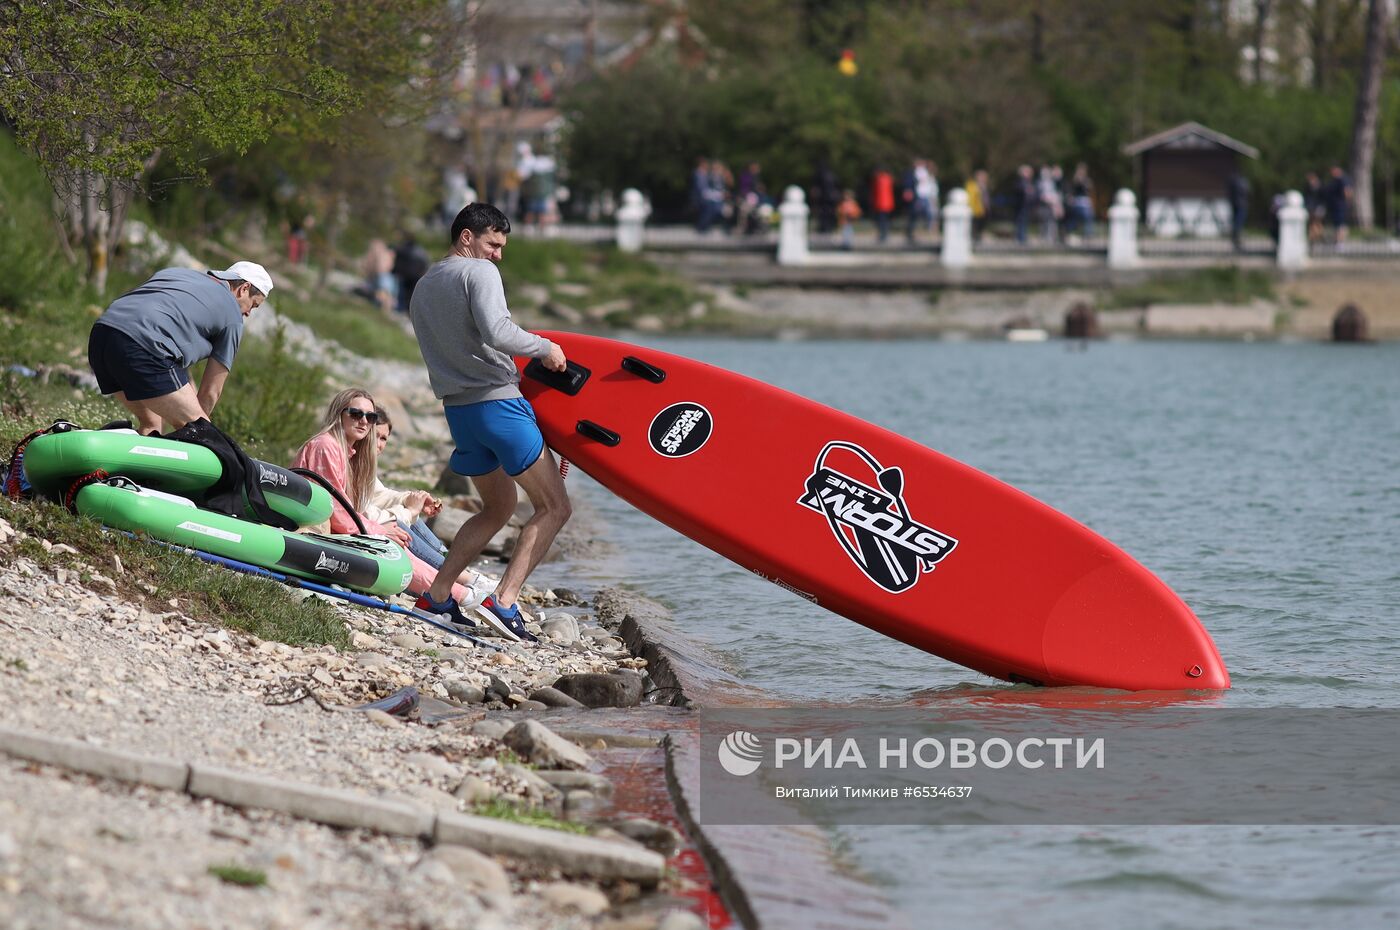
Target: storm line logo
(873, 524)
(741, 753)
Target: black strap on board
(597, 433)
(644, 370)
(570, 381)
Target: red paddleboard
(868, 524)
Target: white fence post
(1292, 232)
(631, 221)
(1122, 230)
(792, 235)
(957, 231)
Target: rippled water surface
(1260, 481)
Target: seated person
(344, 453)
(406, 509)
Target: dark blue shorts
(123, 364)
(494, 434)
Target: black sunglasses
(357, 414)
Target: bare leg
(177, 409)
(498, 499)
(146, 421)
(545, 489)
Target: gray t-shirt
(466, 334)
(182, 315)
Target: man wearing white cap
(142, 347)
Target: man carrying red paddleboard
(467, 339)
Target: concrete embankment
(903, 294)
(770, 876)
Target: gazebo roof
(1189, 136)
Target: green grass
(155, 574)
(238, 875)
(17, 664)
(608, 275)
(354, 323)
(504, 810)
(1207, 286)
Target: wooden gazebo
(1183, 176)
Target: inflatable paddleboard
(365, 563)
(54, 460)
(866, 523)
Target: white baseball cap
(251, 272)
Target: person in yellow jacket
(978, 199)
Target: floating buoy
(1350, 325)
(1081, 322)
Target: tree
(1368, 100)
(101, 90)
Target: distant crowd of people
(1327, 202)
(720, 201)
(1042, 203)
(1057, 206)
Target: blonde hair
(362, 458)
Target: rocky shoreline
(265, 738)
(83, 664)
(86, 662)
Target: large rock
(552, 697)
(570, 897)
(448, 521)
(561, 628)
(615, 689)
(465, 692)
(453, 483)
(540, 745)
(499, 689)
(491, 728)
(473, 869)
(502, 544)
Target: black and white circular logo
(680, 429)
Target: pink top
(324, 455)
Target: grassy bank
(1206, 286)
(46, 312)
(604, 287)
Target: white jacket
(388, 506)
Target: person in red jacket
(882, 201)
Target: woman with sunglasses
(344, 453)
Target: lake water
(1260, 481)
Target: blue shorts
(123, 364)
(494, 434)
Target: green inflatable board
(365, 563)
(54, 460)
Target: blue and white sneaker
(448, 608)
(506, 621)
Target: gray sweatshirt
(466, 334)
